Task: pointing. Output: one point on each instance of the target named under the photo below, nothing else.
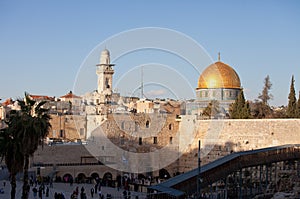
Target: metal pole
(199, 172)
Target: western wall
(176, 137)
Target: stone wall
(68, 127)
(218, 138)
(221, 137)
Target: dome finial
(219, 56)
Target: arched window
(147, 124)
(106, 83)
(170, 126)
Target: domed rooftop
(219, 75)
(105, 57)
(105, 52)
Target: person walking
(92, 192)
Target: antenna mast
(142, 83)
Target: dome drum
(220, 94)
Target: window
(61, 133)
(136, 126)
(106, 83)
(171, 140)
(54, 133)
(154, 140)
(140, 141)
(170, 126)
(147, 124)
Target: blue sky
(44, 43)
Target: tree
(212, 109)
(26, 129)
(292, 104)
(265, 96)
(240, 109)
(36, 125)
(11, 148)
(260, 110)
(298, 106)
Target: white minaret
(105, 73)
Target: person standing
(34, 190)
(92, 192)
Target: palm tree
(11, 149)
(36, 122)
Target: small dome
(105, 57)
(105, 52)
(219, 75)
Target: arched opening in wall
(164, 174)
(67, 178)
(107, 179)
(81, 178)
(147, 124)
(171, 140)
(170, 126)
(107, 83)
(95, 176)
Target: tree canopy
(240, 109)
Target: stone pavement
(67, 190)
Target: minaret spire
(219, 56)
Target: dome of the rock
(219, 75)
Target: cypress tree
(292, 105)
(233, 110)
(240, 109)
(298, 106)
(246, 111)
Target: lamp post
(199, 172)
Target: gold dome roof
(219, 75)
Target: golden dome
(219, 75)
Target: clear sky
(44, 43)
